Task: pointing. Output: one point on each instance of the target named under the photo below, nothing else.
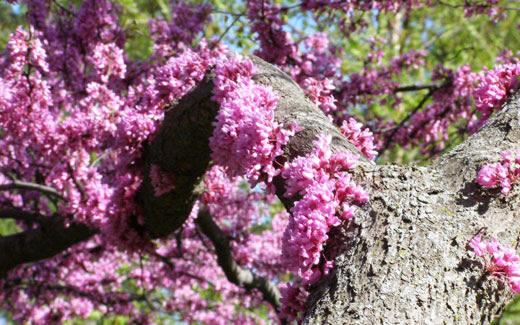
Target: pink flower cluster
(363, 139)
(235, 207)
(428, 127)
(495, 86)
(502, 174)
(293, 300)
(360, 87)
(76, 112)
(488, 7)
(463, 97)
(178, 34)
(328, 198)
(83, 135)
(276, 45)
(501, 261)
(108, 60)
(246, 138)
(312, 62)
(312, 66)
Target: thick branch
(38, 244)
(404, 255)
(416, 88)
(21, 215)
(294, 107)
(234, 273)
(180, 148)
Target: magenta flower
(500, 261)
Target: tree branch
(501, 132)
(421, 219)
(234, 273)
(21, 215)
(38, 244)
(110, 299)
(416, 88)
(27, 186)
(181, 147)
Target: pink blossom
(503, 174)
(362, 139)
(246, 138)
(328, 196)
(109, 61)
(501, 261)
(495, 86)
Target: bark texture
(403, 259)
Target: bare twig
(415, 88)
(235, 273)
(169, 263)
(390, 138)
(28, 186)
(481, 5)
(237, 17)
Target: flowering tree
(246, 162)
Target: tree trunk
(405, 258)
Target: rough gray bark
(404, 258)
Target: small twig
(178, 241)
(235, 273)
(229, 13)
(166, 261)
(480, 5)
(390, 138)
(94, 296)
(228, 28)
(415, 88)
(78, 185)
(141, 278)
(62, 7)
